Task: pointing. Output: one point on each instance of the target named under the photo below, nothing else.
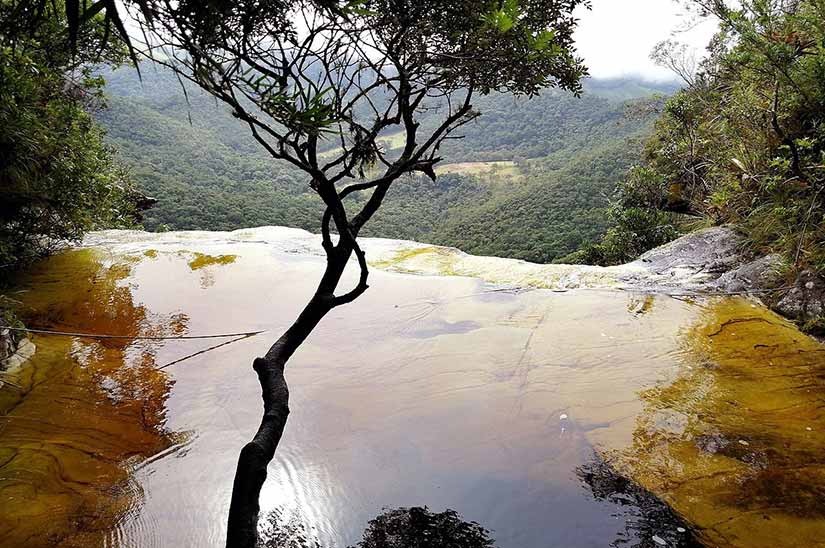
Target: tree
(57, 177)
(746, 139)
(677, 57)
(306, 76)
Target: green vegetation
(198, 161)
(638, 222)
(562, 158)
(744, 143)
(520, 129)
(558, 207)
(57, 177)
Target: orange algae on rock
(736, 443)
(86, 410)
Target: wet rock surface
(806, 301)
(24, 351)
(762, 273)
(13, 354)
(712, 260)
(715, 260)
(6, 344)
(705, 260)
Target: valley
(550, 164)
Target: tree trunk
(242, 526)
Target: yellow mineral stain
(202, 260)
(408, 260)
(86, 410)
(446, 261)
(151, 253)
(735, 443)
(641, 305)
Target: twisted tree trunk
(242, 527)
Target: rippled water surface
(553, 419)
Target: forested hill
(530, 179)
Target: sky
(616, 36)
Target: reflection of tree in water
(733, 440)
(649, 522)
(90, 409)
(397, 528)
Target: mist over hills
(529, 180)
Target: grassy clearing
(507, 169)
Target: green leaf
(543, 40)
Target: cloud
(616, 36)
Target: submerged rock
(14, 355)
(730, 442)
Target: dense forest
(539, 171)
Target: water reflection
(416, 527)
(648, 522)
(735, 443)
(425, 391)
(87, 410)
(285, 529)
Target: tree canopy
(57, 177)
(351, 73)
